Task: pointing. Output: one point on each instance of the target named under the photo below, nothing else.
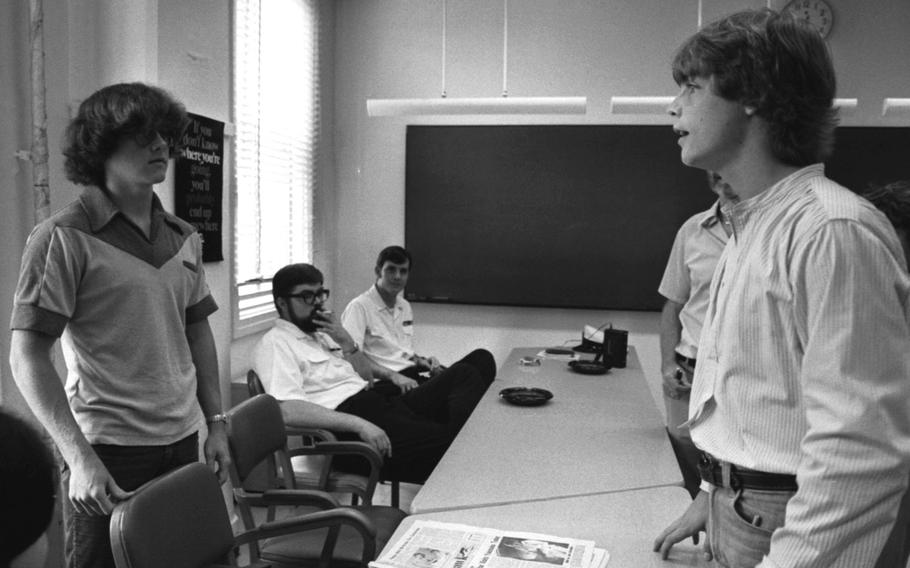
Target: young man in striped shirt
(800, 398)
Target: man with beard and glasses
(310, 363)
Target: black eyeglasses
(311, 298)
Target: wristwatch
(223, 418)
(352, 350)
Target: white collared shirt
(385, 334)
(294, 365)
(804, 366)
(687, 277)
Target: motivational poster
(199, 182)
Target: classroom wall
(393, 49)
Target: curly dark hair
(771, 62)
(114, 113)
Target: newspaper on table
(433, 544)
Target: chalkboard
(573, 216)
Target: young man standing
(800, 397)
(121, 282)
(382, 322)
(685, 285)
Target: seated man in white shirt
(323, 380)
(382, 322)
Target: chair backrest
(254, 383)
(257, 432)
(178, 520)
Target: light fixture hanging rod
(505, 47)
(444, 48)
(479, 105)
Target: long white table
(624, 523)
(599, 434)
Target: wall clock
(816, 14)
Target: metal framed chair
(257, 434)
(315, 471)
(180, 520)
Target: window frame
(252, 306)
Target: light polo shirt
(385, 334)
(294, 365)
(687, 277)
(803, 365)
(121, 302)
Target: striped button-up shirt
(804, 365)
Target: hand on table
(690, 524)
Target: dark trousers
(480, 359)
(677, 404)
(422, 422)
(87, 537)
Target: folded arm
(303, 414)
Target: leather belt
(711, 470)
(690, 361)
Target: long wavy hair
(112, 114)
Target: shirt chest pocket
(313, 359)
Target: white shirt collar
(380, 304)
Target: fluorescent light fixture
(640, 105)
(479, 105)
(846, 106)
(896, 107)
(659, 105)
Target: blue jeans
(87, 538)
(740, 524)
